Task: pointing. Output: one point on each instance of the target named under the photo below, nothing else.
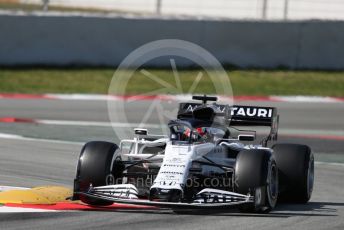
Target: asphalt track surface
(326, 116)
(31, 163)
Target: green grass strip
(244, 82)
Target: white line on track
(5, 209)
(7, 188)
(282, 131)
(329, 163)
(95, 123)
(18, 137)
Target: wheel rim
(310, 177)
(272, 187)
(273, 183)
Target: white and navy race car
(204, 163)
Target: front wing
(207, 198)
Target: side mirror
(245, 137)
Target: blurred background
(230, 9)
(244, 33)
(268, 47)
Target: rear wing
(240, 115)
(252, 115)
(256, 116)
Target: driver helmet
(201, 131)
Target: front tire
(94, 168)
(256, 173)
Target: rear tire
(94, 168)
(256, 173)
(296, 172)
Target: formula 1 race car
(204, 163)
